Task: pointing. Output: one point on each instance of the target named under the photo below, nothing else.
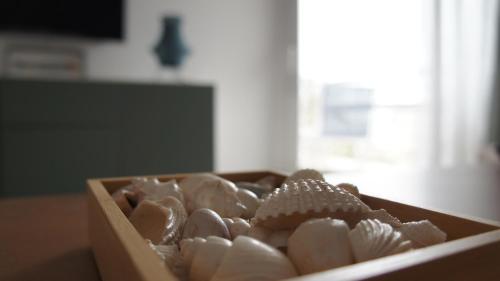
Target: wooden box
(471, 253)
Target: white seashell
(295, 202)
(270, 182)
(204, 223)
(189, 184)
(205, 256)
(237, 226)
(176, 219)
(422, 233)
(172, 259)
(250, 259)
(351, 188)
(219, 196)
(154, 190)
(305, 174)
(275, 238)
(249, 200)
(383, 216)
(257, 189)
(320, 244)
(372, 239)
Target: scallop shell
(275, 238)
(161, 222)
(204, 223)
(250, 259)
(320, 244)
(154, 190)
(372, 239)
(295, 202)
(237, 226)
(422, 233)
(204, 256)
(220, 196)
(351, 188)
(249, 200)
(172, 259)
(305, 174)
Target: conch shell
(372, 239)
(189, 185)
(320, 244)
(250, 259)
(220, 196)
(203, 256)
(422, 233)
(172, 259)
(204, 223)
(305, 174)
(154, 190)
(161, 222)
(236, 226)
(297, 201)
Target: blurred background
(128, 87)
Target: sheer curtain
(464, 56)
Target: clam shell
(219, 196)
(295, 202)
(351, 188)
(422, 233)
(249, 200)
(172, 259)
(237, 226)
(204, 223)
(320, 244)
(372, 239)
(250, 259)
(206, 256)
(305, 174)
(275, 238)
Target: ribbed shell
(422, 233)
(309, 198)
(372, 239)
(305, 174)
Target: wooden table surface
(45, 238)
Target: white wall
(243, 49)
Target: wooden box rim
(146, 266)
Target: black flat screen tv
(99, 19)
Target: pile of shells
(205, 227)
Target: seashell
(422, 233)
(154, 190)
(204, 256)
(176, 220)
(204, 223)
(295, 202)
(150, 220)
(219, 196)
(122, 201)
(172, 259)
(189, 184)
(249, 200)
(250, 259)
(256, 188)
(372, 239)
(275, 238)
(237, 226)
(383, 216)
(305, 174)
(351, 188)
(270, 182)
(320, 244)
